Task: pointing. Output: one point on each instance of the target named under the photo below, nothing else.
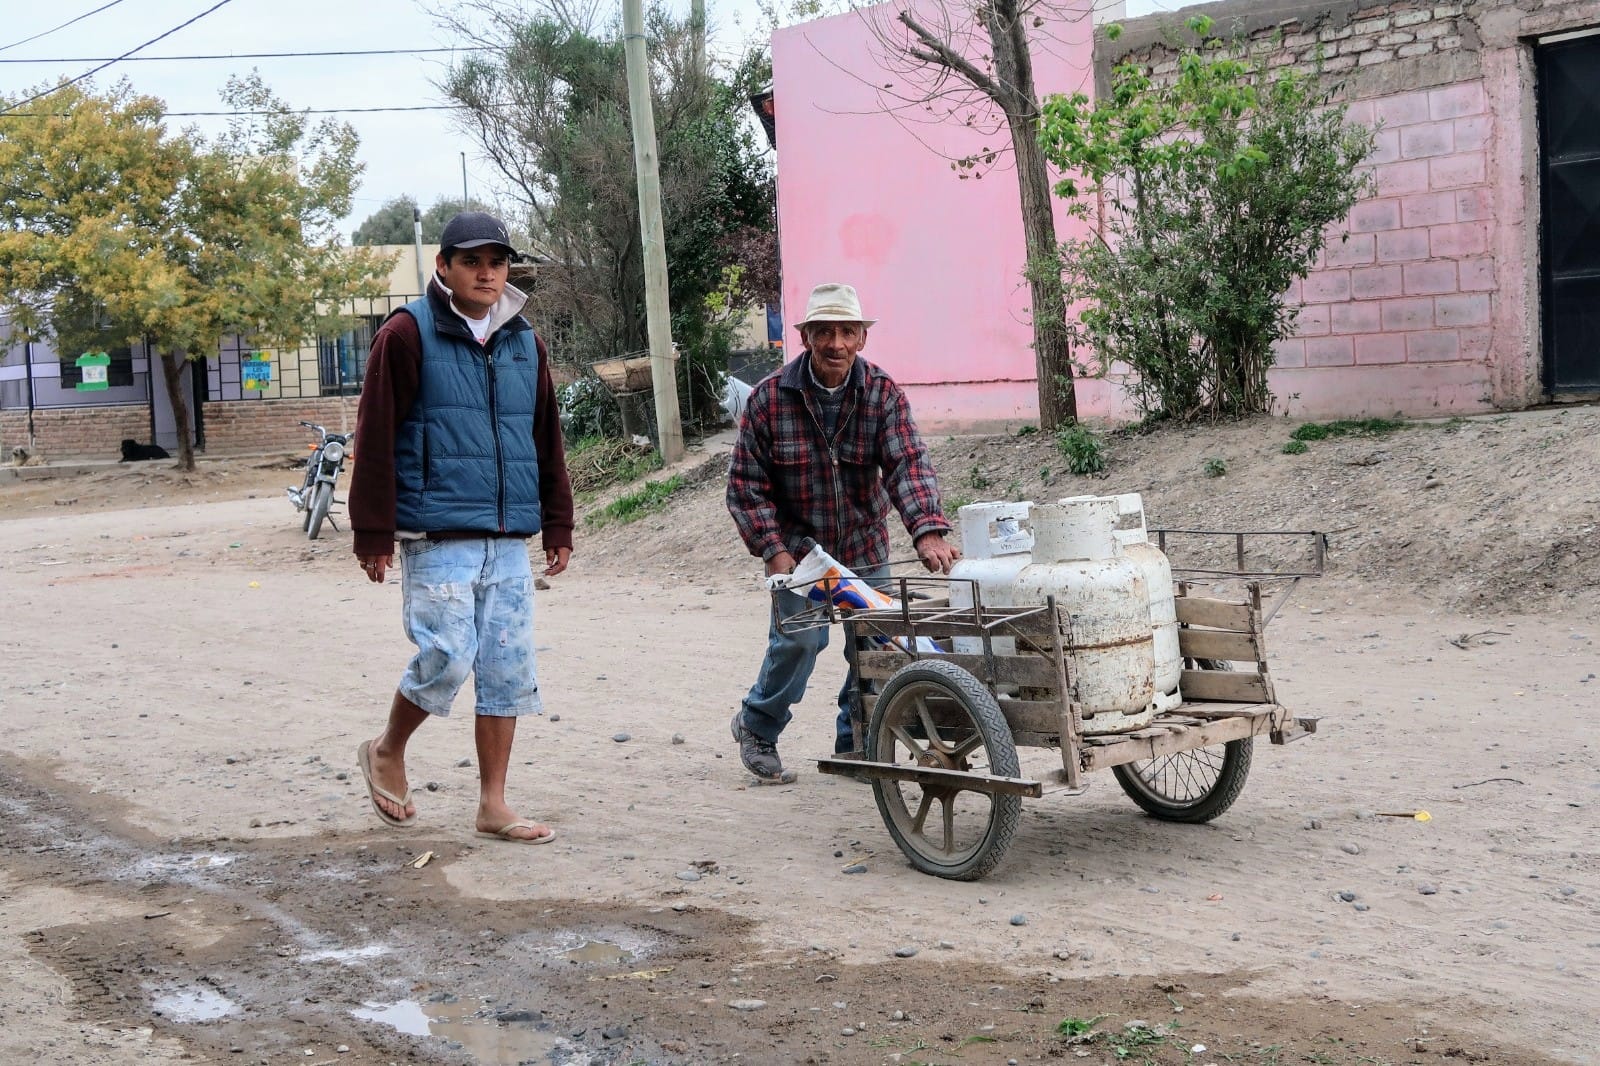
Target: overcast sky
(417, 153)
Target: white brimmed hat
(832, 302)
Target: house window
(342, 357)
(120, 372)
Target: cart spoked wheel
(1190, 786)
(934, 714)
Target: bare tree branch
(942, 54)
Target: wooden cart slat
(1226, 710)
(1219, 644)
(1222, 685)
(1023, 716)
(1033, 671)
(967, 781)
(1215, 614)
(1128, 748)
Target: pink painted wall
(1429, 307)
(936, 259)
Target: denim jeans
(467, 605)
(787, 668)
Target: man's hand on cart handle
(936, 554)
(781, 563)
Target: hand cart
(941, 731)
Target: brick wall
(1410, 276)
(1350, 36)
(67, 433)
(1427, 297)
(235, 427)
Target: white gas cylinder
(1152, 562)
(1157, 570)
(996, 543)
(1078, 560)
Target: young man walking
(459, 460)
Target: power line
(258, 55)
(280, 111)
(64, 25)
(312, 111)
(125, 55)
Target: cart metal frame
(1025, 665)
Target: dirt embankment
(1494, 513)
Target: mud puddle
(335, 949)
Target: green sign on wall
(95, 369)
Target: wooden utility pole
(697, 31)
(658, 309)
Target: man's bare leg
(389, 754)
(494, 735)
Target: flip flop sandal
(504, 833)
(376, 791)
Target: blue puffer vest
(464, 457)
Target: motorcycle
(315, 496)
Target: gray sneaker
(759, 756)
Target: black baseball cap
(474, 229)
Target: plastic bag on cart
(821, 578)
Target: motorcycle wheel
(319, 510)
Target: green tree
(443, 210)
(171, 237)
(549, 108)
(394, 222)
(1219, 186)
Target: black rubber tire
(948, 681)
(318, 510)
(1144, 781)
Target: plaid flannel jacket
(788, 482)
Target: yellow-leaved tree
(173, 237)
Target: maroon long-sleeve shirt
(394, 369)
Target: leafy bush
(1295, 447)
(1215, 467)
(1219, 185)
(587, 410)
(1084, 451)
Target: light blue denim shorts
(467, 605)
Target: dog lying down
(133, 451)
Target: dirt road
(192, 870)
